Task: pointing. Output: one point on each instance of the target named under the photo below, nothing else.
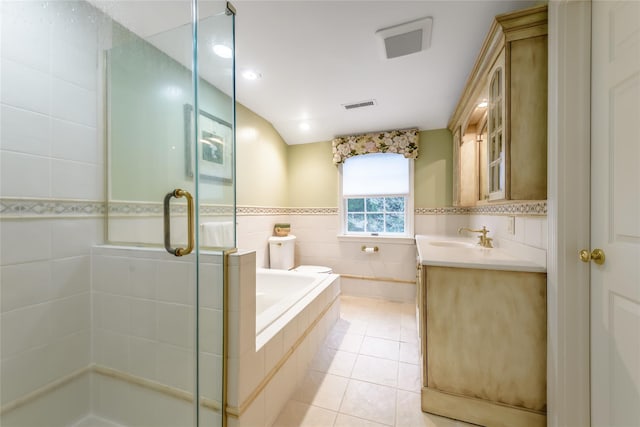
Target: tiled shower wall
(49, 150)
(143, 328)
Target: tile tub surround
(261, 378)
(366, 372)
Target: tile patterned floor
(366, 374)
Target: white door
(615, 214)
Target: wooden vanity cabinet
(509, 154)
(483, 345)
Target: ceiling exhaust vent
(361, 104)
(405, 39)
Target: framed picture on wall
(215, 146)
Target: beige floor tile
(409, 377)
(408, 334)
(384, 329)
(297, 414)
(344, 341)
(376, 370)
(380, 347)
(409, 353)
(322, 390)
(370, 401)
(409, 414)
(334, 361)
(352, 326)
(343, 420)
(393, 307)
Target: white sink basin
(452, 244)
(445, 251)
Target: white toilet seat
(313, 269)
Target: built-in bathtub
(282, 318)
(281, 295)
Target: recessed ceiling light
(483, 104)
(222, 51)
(304, 126)
(251, 75)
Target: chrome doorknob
(597, 255)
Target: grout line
(396, 388)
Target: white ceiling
(315, 56)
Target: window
(377, 195)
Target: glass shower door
(171, 164)
(102, 115)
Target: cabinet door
(496, 130)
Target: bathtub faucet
(484, 241)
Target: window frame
(409, 209)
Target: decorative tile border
(442, 211)
(261, 210)
(528, 208)
(156, 209)
(53, 208)
(313, 211)
(46, 208)
(257, 210)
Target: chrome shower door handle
(177, 193)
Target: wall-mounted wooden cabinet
(500, 123)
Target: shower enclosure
(117, 210)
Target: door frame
(569, 129)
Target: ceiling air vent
(361, 104)
(405, 39)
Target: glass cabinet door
(496, 137)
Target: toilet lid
(313, 269)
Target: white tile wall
(61, 408)
(24, 175)
(317, 244)
(134, 406)
(46, 322)
(253, 232)
(49, 99)
(529, 230)
(45, 318)
(143, 324)
(26, 132)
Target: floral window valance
(396, 141)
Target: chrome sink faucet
(484, 241)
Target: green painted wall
(433, 173)
(147, 91)
(261, 163)
(313, 178)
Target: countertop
(473, 256)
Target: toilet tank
(281, 252)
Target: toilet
(281, 256)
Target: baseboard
(477, 411)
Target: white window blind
(375, 174)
